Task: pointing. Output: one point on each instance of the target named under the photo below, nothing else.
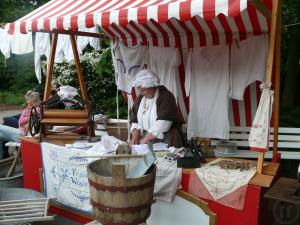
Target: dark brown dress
(166, 110)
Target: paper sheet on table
(143, 149)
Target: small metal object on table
(283, 203)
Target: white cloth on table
(83, 41)
(164, 61)
(42, 47)
(207, 85)
(21, 43)
(248, 64)
(63, 49)
(5, 42)
(128, 61)
(147, 118)
(167, 180)
(221, 182)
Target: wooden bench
(288, 139)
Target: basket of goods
(117, 128)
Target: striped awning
(174, 23)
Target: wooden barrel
(118, 200)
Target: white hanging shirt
(83, 41)
(164, 61)
(207, 84)
(42, 47)
(5, 43)
(127, 63)
(248, 64)
(147, 118)
(63, 49)
(21, 43)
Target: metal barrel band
(121, 210)
(121, 189)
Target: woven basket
(117, 129)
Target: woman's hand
(135, 137)
(147, 138)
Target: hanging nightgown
(207, 85)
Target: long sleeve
(188, 74)
(160, 127)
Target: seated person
(13, 134)
(12, 121)
(154, 116)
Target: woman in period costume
(154, 116)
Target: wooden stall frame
(272, 57)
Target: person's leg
(12, 121)
(8, 134)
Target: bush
(11, 98)
(99, 79)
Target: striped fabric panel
(136, 21)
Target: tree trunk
(290, 84)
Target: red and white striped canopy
(174, 23)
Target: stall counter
(32, 164)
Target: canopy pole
(270, 63)
(50, 67)
(277, 83)
(262, 8)
(78, 68)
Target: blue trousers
(8, 134)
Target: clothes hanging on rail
(5, 43)
(165, 62)
(42, 47)
(207, 85)
(63, 49)
(247, 64)
(128, 61)
(83, 41)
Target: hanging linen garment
(21, 43)
(63, 49)
(5, 43)
(127, 63)
(259, 133)
(83, 41)
(42, 47)
(247, 64)
(207, 84)
(164, 61)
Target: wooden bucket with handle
(118, 200)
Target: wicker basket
(117, 129)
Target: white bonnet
(146, 78)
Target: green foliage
(17, 73)
(98, 77)
(11, 98)
(12, 10)
(290, 117)
(110, 107)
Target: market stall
(189, 28)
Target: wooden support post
(262, 8)
(270, 64)
(50, 67)
(78, 68)
(277, 81)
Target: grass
(9, 98)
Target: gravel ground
(9, 113)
